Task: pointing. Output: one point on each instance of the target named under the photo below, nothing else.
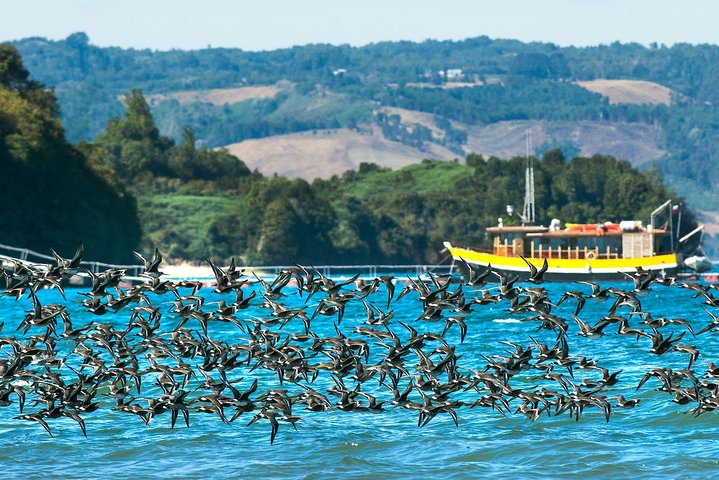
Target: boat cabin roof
(518, 229)
(534, 231)
(591, 233)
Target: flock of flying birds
(158, 348)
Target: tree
(139, 124)
(133, 145)
(13, 74)
(183, 157)
(278, 244)
(78, 40)
(536, 65)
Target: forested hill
(133, 187)
(461, 88)
(196, 203)
(50, 194)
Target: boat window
(609, 245)
(509, 237)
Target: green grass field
(180, 223)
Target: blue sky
(270, 24)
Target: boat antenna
(528, 211)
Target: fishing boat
(589, 251)
(576, 252)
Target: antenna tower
(528, 211)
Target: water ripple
(655, 439)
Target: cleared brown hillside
(636, 92)
(323, 153)
(635, 142)
(219, 96)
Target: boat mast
(528, 211)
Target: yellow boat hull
(562, 269)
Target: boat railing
(576, 253)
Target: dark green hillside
(50, 195)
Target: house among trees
(453, 74)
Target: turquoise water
(657, 438)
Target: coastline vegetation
(133, 187)
(372, 215)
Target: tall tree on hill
(13, 74)
(133, 145)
